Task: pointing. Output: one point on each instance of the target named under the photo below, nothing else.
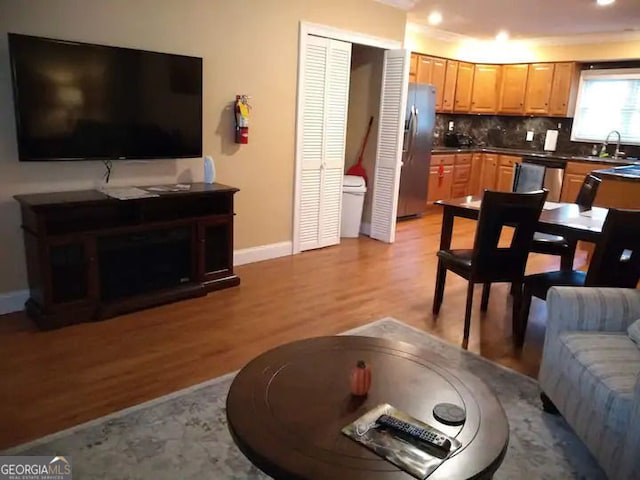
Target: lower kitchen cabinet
(571, 185)
(574, 177)
(504, 181)
(489, 172)
(476, 174)
(461, 175)
(440, 182)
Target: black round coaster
(449, 414)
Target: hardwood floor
(53, 380)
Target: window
(608, 100)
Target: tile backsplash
(511, 131)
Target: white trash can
(353, 190)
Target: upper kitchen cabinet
(564, 89)
(513, 88)
(484, 98)
(438, 74)
(432, 71)
(413, 68)
(539, 86)
(424, 70)
(464, 86)
(449, 91)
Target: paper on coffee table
(410, 458)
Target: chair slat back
(499, 209)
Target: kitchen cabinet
(539, 85)
(564, 89)
(424, 69)
(413, 67)
(489, 172)
(440, 177)
(440, 182)
(513, 88)
(571, 185)
(461, 175)
(574, 177)
(484, 97)
(449, 91)
(476, 174)
(504, 180)
(464, 87)
(438, 74)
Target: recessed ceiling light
(435, 18)
(605, 2)
(502, 36)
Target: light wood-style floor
(54, 380)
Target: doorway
(324, 75)
(365, 87)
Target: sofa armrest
(591, 309)
(630, 462)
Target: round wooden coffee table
(286, 409)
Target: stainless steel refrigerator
(416, 157)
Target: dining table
(567, 220)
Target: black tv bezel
(14, 87)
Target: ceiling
(525, 19)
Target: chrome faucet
(617, 153)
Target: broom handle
(364, 143)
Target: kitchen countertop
(629, 173)
(538, 154)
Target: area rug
(184, 435)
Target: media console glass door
(216, 242)
(69, 271)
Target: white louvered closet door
(327, 69)
(393, 100)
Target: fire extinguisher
(242, 109)
(440, 175)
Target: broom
(358, 170)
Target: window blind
(608, 100)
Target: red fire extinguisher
(242, 109)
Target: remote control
(427, 435)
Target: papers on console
(127, 193)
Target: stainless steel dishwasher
(553, 174)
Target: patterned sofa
(591, 372)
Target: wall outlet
(451, 125)
(530, 136)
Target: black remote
(431, 436)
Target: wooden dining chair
(615, 263)
(488, 263)
(556, 245)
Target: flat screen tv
(78, 101)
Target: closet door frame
(318, 30)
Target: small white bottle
(209, 170)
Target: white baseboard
(365, 229)
(263, 252)
(13, 301)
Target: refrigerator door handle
(415, 128)
(412, 133)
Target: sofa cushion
(634, 332)
(605, 368)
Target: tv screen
(77, 101)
